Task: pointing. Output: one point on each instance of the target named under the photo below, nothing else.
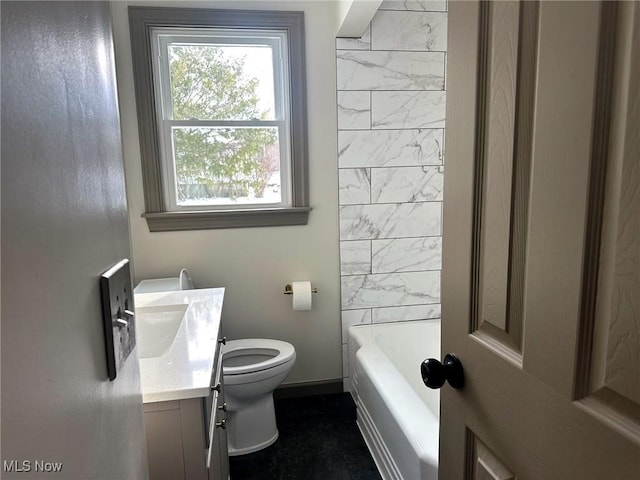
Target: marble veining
(355, 257)
(387, 70)
(361, 222)
(415, 5)
(365, 291)
(354, 110)
(390, 148)
(391, 116)
(406, 254)
(406, 184)
(354, 186)
(407, 109)
(401, 314)
(424, 31)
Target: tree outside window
(217, 162)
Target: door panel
(486, 465)
(506, 71)
(612, 369)
(541, 241)
(500, 84)
(564, 110)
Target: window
(221, 98)
(221, 114)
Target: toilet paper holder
(288, 289)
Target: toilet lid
(260, 354)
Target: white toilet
(253, 368)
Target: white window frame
(162, 37)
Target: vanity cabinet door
(221, 434)
(175, 439)
(164, 440)
(218, 456)
(213, 453)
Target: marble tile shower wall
(391, 112)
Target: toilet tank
(181, 282)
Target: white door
(541, 273)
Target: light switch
(118, 315)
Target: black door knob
(435, 373)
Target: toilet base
(251, 427)
(243, 451)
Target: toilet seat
(285, 352)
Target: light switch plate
(117, 314)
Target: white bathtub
(397, 414)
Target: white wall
(391, 109)
(256, 263)
(64, 222)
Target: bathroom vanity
(180, 355)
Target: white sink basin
(156, 328)
(177, 334)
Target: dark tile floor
(319, 440)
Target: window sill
(206, 220)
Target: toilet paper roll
(301, 295)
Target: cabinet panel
(176, 441)
(164, 447)
(193, 437)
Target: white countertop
(185, 371)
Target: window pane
(221, 82)
(226, 166)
